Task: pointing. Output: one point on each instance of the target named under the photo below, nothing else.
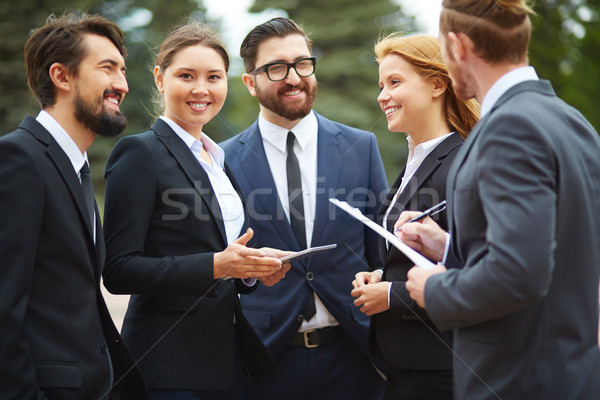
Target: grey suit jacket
(524, 196)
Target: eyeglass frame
(265, 68)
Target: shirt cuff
(446, 249)
(249, 281)
(389, 294)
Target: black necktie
(296, 207)
(296, 203)
(88, 191)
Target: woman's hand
(239, 261)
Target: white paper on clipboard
(412, 254)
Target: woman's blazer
(404, 334)
(163, 225)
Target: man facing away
(523, 201)
(289, 163)
(58, 339)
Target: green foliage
(142, 37)
(565, 49)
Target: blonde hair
(423, 53)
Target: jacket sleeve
(130, 202)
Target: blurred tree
(344, 33)
(144, 24)
(18, 18)
(565, 48)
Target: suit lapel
(260, 179)
(236, 186)
(542, 86)
(63, 165)
(453, 171)
(65, 168)
(329, 165)
(192, 168)
(429, 165)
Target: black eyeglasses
(278, 71)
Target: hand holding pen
(430, 212)
(427, 238)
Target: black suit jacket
(524, 195)
(55, 329)
(404, 334)
(163, 225)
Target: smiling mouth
(293, 92)
(198, 106)
(391, 110)
(112, 97)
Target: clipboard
(412, 254)
(306, 252)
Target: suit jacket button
(300, 318)
(310, 276)
(103, 347)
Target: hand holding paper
(413, 255)
(426, 237)
(306, 252)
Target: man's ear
(61, 77)
(248, 80)
(456, 46)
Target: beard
(290, 112)
(104, 122)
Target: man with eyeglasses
(288, 164)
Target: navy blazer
(55, 327)
(524, 195)
(163, 225)
(349, 167)
(404, 335)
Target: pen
(438, 208)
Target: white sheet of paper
(412, 254)
(307, 252)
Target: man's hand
(417, 279)
(239, 261)
(424, 236)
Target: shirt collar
(423, 149)
(505, 82)
(304, 131)
(215, 151)
(66, 142)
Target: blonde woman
(417, 98)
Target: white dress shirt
(229, 201)
(67, 144)
(274, 140)
(501, 86)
